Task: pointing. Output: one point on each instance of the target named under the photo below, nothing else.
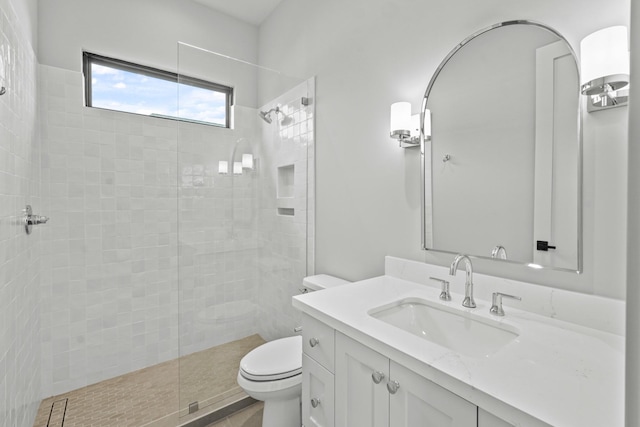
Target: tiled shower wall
(218, 233)
(109, 300)
(287, 197)
(118, 203)
(148, 244)
(19, 253)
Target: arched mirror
(502, 166)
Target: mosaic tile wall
(19, 253)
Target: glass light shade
(604, 53)
(237, 168)
(400, 117)
(415, 125)
(223, 167)
(247, 161)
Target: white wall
(633, 248)
(367, 54)
(143, 31)
(19, 185)
(27, 13)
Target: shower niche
(285, 191)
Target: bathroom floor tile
(150, 396)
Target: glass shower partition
(245, 218)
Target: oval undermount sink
(459, 331)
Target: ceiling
(251, 11)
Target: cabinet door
(361, 394)
(317, 394)
(420, 402)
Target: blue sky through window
(121, 90)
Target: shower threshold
(159, 395)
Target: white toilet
(273, 372)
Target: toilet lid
(274, 360)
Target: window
(123, 86)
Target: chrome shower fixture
(266, 115)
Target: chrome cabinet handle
(314, 342)
(315, 402)
(377, 377)
(393, 386)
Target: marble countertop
(555, 373)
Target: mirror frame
(423, 166)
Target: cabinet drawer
(317, 394)
(318, 341)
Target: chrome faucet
(468, 284)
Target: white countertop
(559, 373)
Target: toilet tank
(320, 281)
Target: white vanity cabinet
(371, 390)
(347, 384)
(317, 373)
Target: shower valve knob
(30, 219)
(39, 219)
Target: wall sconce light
(223, 167)
(406, 127)
(237, 168)
(247, 161)
(604, 57)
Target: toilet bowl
(272, 372)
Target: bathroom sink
(459, 331)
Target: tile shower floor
(149, 397)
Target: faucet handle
(444, 290)
(496, 303)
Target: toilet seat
(275, 360)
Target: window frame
(88, 59)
